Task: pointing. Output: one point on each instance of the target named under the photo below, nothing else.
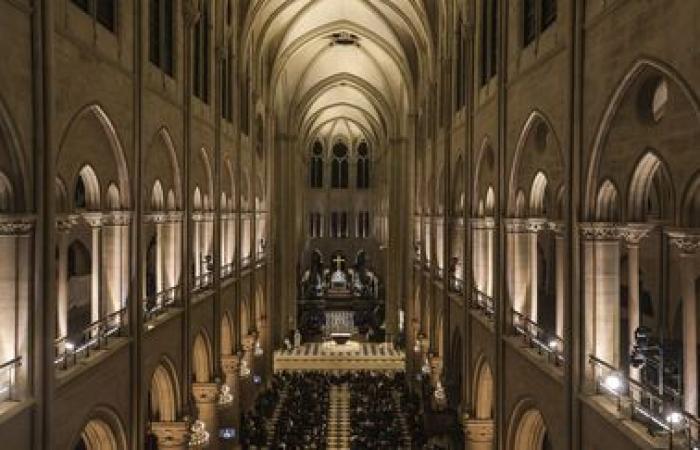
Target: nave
(360, 410)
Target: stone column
(205, 398)
(633, 234)
(605, 285)
(560, 271)
(196, 248)
(534, 227)
(688, 245)
(518, 237)
(489, 232)
(63, 224)
(478, 433)
(171, 435)
(231, 369)
(95, 222)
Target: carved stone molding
(205, 392)
(117, 218)
(633, 233)
(174, 216)
(601, 231)
(478, 430)
(171, 434)
(155, 217)
(536, 225)
(558, 228)
(93, 219)
(16, 224)
(483, 223)
(515, 225)
(685, 240)
(230, 364)
(65, 222)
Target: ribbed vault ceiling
(340, 67)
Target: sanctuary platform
(331, 356)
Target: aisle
(339, 418)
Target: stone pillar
(633, 234)
(559, 277)
(534, 227)
(688, 244)
(489, 231)
(95, 222)
(605, 284)
(63, 225)
(161, 257)
(205, 398)
(518, 264)
(231, 369)
(196, 248)
(171, 435)
(478, 433)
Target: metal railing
(8, 379)
(227, 270)
(456, 284)
(203, 281)
(69, 350)
(159, 303)
(662, 414)
(483, 303)
(545, 342)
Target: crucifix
(338, 262)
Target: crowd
(374, 411)
(303, 419)
(376, 400)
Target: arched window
(80, 195)
(160, 34)
(549, 13)
(339, 168)
(201, 55)
(529, 22)
(316, 166)
(363, 166)
(363, 224)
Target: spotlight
(674, 418)
(69, 346)
(613, 382)
(416, 347)
(553, 344)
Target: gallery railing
(545, 342)
(203, 281)
(456, 284)
(8, 379)
(227, 270)
(662, 415)
(483, 302)
(159, 303)
(69, 350)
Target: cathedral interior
(349, 224)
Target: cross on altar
(339, 261)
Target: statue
(297, 338)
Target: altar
(346, 357)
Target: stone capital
(205, 392)
(229, 364)
(65, 222)
(600, 231)
(516, 225)
(536, 224)
(16, 224)
(478, 430)
(482, 223)
(558, 228)
(93, 219)
(155, 217)
(117, 218)
(633, 233)
(685, 240)
(171, 435)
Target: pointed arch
(483, 390)
(102, 431)
(650, 187)
(164, 394)
(201, 358)
(636, 69)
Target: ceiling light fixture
(344, 38)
